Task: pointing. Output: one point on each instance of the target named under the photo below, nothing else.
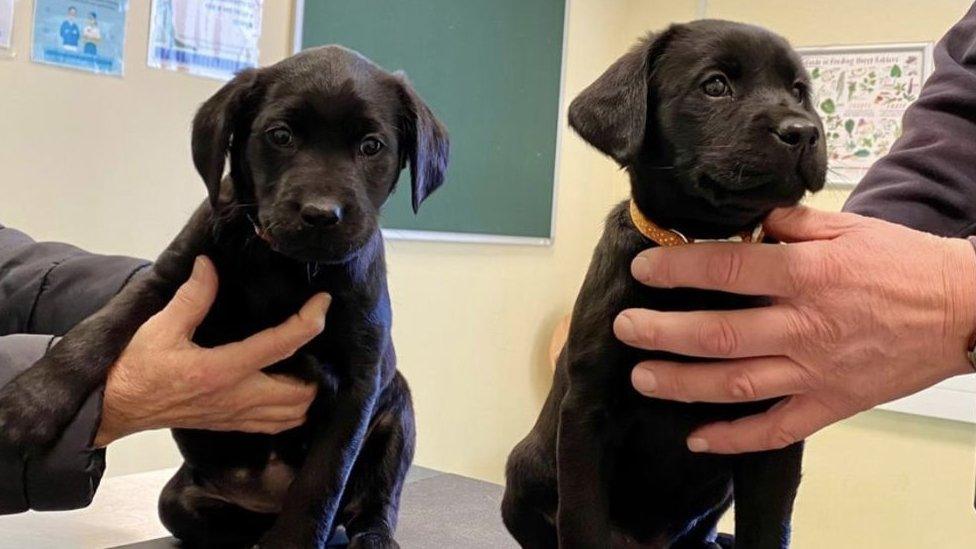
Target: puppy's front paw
(22, 423)
(370, 540)
(35, 408)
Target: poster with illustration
(861, 93)
(6, 25)
(87, 35)
(212, 38)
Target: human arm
(927, 181)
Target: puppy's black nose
(797, 132)
(320, 214)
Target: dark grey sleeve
(928, 180)
(45, 289)
(67, 475)
(48, 287)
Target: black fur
(349, 460)
(604, 466)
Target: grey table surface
(438, 510)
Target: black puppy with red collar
(714, 123)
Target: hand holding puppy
(165, 380)
(863, 312)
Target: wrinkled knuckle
(806, 327)
(845, 221)
(186, 297)
(208, 379)
(672, 386)
(810, 380)
(648, 334)
(723, 268)
(740, 387)
(780, 436)
(796, 326)
(811, 266)
(218, 379)
(203, 379)
(660, 274)
(717, 336)
(198, 377)
(280, 345)
(799, 271)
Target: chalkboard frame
(479, 238)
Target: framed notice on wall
(87, 35)
(6, 25)
(212, 38)
(861, 92)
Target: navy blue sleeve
(928, 180)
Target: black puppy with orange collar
(714, 123)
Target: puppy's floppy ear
(612, 113)
(215, 125)
(423, 142)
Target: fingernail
(623, 326)
(315, 309)
(640, 268)
(643, 380)
(696, 444)
(322, 303)
(197, 272)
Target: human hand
(863, 312)
(164, 380)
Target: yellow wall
(472, 321)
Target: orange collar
(670, 237)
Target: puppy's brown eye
(371, 146)
(716, 86)
(280, 137)
(799, 92)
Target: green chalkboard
(490, 70)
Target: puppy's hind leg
(530, 501)
(199, 519)
(705, 532)
(765, 487)
(373, 491)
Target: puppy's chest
(246, 307)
